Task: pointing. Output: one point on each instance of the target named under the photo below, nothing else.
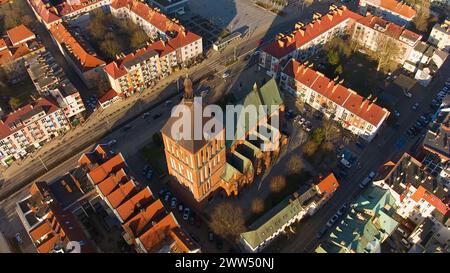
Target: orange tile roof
(20, 34)
(101, 172)
(391, 29)
(158, 232)
(111, 182)
(42, 229)
(98, 155)
(328, 185)
(136, 225)
(49, 243)
(394, 6)
(111, 94)
(120, 194)
(337, 93)
(86, 60)
(132, 205)
(47, 105)
(422, 193)
(282, 47)
(2, 44)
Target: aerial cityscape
(224, 126)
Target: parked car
(186, 214)
(396, 113)
(167, 197)
(346, 163)
(195, 238)
(168, 103)
(145, 169)
(112, 142)
(211, 236)
(342, 210)
(372, 175)
(149, 174)
(18, 239)
(415, 106)
(321, 232)
(333, 220)
(145, 115)
(365, 182)
(157, 115)
(180, 207)
(173, 203)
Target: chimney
(280, 43)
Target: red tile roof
(132, 205)
(121, 193)
(328, 185)
(101, 172)
(108, 185)
(97, 156)
(339, 94)
(158, 232)
(110, 95)
(47, 105)
(137, 224)
(390, 29)
(302, 35)
(86, 61)
(422, 193)
(395, 7)
(20, 34)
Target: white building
(391, 10)
(29, 127)
(440, 36)
(362, 117)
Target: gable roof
(399, 8)
(101, 172)
(328, 185)
(345, 97)
(20, 34)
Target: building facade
(397, 12)
(29, 127)
(361, 116)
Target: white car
(173, 203)
(186, 214)
(372, 175)
(112, 142)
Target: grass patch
(154, 155)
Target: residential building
(51, 228)
(391, 10)
(371, 219)
(305, 201)
(147, 225)
(370, 30)
(170, 6)
(29, 127)
(440, 35)
(208, 165)
(50, 13)
(50, 80)
(109, 98)
(307, 40)
(424, 61)
(437, 138)
(18, 45)
(79, 54)
(174, 46)
(417, 191)
(430, 236)
(355, 113)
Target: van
(365, 182)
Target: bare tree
(227, 220)
(331, 131)
(257, 205)
(387, 52)
(295, 164)
(277, 184)
(422, 18)
(310, 148)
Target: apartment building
(173, 46)
(355, 113)
(305, 201)
(147, 224)
(417, 191)
(78, 53)
(307, 40)
(370, 30)
(170, 6)
(50, 80)
(397, 12)
(18, 45)
(51, 228)
(440, 35)
(29, 127)
(50, 13)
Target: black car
(126, 128)
(155, 116)
(321, 232)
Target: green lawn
(154, 155)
